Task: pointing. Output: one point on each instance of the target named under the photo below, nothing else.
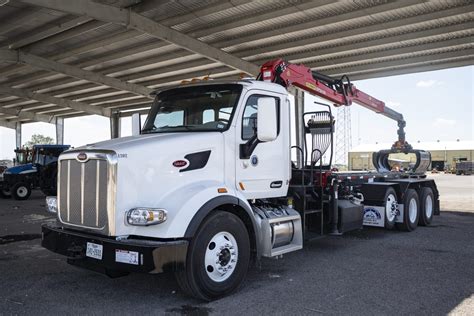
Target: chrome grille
(83, 193)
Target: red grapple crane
(334, 90)
(341, 92)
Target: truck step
(312, 211)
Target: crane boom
(341, 92)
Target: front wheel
(5, 194)
(218, 258)
(21, 191)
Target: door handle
(276, 184)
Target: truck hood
(119, 145)
(28, 168)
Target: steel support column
(18, 135)
(59, 130)
(115, 125)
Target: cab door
(265, 171)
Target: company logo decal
(180, 163)
(372, 214)
(82, 157)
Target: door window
(249, 119)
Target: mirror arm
(247, 149)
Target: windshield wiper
(164, 128)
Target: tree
(38, 139)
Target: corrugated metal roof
(363, 38)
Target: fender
(212, 205)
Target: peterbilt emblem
(82, 157)
(180, 163)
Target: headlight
(142, 216)
(52, 204)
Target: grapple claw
(381, 160)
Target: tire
(222, 236)
(5, 194)
(21, 191)
(391, 206)
(411, 211)
(427, 206)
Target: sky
(437, 105)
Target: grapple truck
(209, 184)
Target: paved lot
(457, 192)
(371, 272)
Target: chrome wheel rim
(428, 206)
(221, 256)
(412, 210)
(391, 207)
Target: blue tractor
(35, 168)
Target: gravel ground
(369, 272)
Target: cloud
(442, 122)
(428, 83)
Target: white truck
(208, 186)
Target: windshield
(46, 156)
(196, 109)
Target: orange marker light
(241, 186)
(222, 190)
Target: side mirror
(136, 124)
(267, 119)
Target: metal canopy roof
(72, 58)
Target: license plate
(94, 251)
(125, 256)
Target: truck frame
(209, 184)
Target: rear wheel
(411, 211)
(21, 191)
(427, 206)
(391, 208)
(218, 258)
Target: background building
(444, 154)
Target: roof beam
(141, 23)
(409, 69)
(430, 35)
(50, 65)
(30, 95)
(35, 37)
(448, 45)
(313, 23)
(386, 65)
(255, 17)
(7, 124)
(388, 27)
(28, 115)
